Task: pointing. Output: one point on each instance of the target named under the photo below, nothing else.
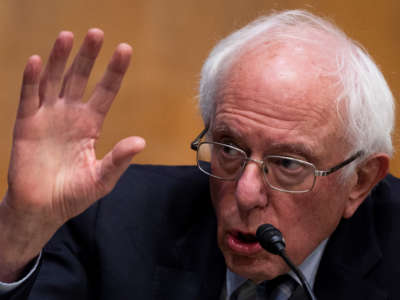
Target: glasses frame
(196, 143)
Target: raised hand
(54, 173)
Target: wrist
(30, 269)
(22, 237)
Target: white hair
(367, 101)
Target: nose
(250, 188)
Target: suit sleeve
(66, 264)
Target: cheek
(222, 195)
(309, 219)
(327, 206)
(333, 196)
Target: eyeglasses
(282, 173)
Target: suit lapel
(173, 284)
(198, 270)
(345, 284)
(351, 254)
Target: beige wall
(171, 39)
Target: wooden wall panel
(171, 39)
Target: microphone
(271, 239)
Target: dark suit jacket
(154, 237)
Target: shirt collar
(309, 267)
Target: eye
(285, 164)
(289, 164)
(230, 150)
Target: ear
(367, 175)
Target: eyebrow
(295, 148)
(300, 149)
(224, 129)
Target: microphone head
(270, 239)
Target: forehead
(284, 92)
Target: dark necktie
(280, 288)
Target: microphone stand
(270, 238)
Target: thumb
(115, 162)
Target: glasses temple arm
(339, 166)
(195, 144)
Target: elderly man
(298, 123)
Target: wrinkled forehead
(283, 91)
(295, 72)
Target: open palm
(53, 170)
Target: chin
(257, 269)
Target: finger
(29, 99)
(108, 87)
(51, 79)
(117, 161)
(78, 74)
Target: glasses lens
(289, 174)
(220, 160)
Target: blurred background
(171, 39)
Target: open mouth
(243, 243)
(246, 238)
